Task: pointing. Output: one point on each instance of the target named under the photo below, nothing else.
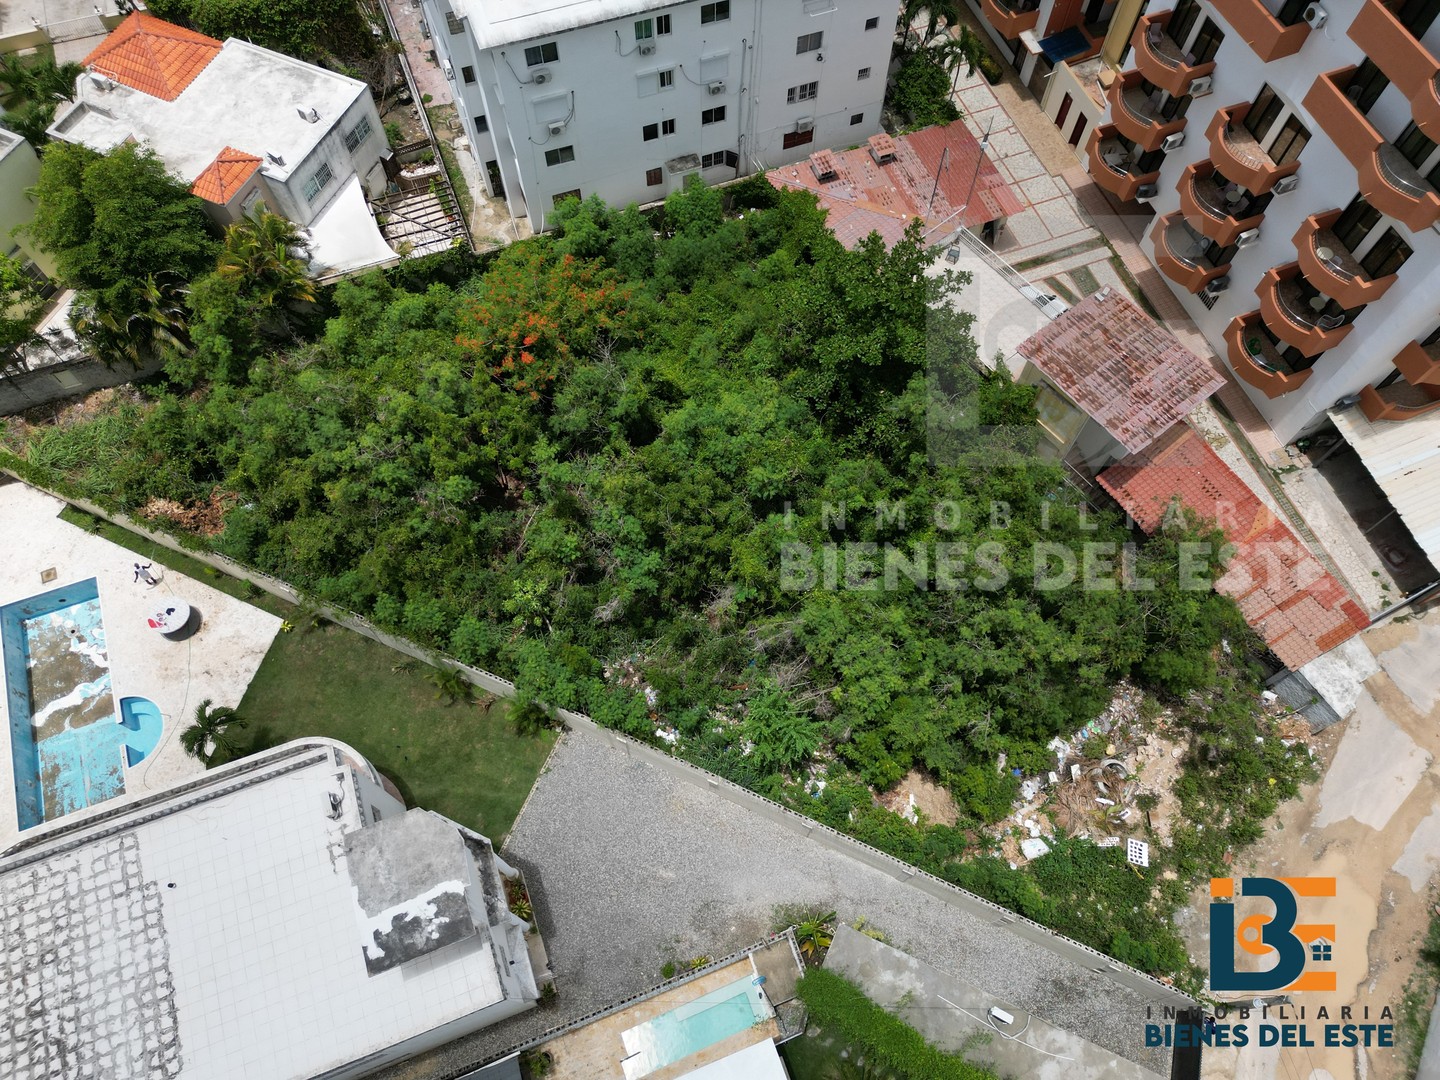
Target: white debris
(1033, 848)
(669, 735)
(1137, 852)
(1269, 697)
(1105, 802)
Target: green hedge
(837, 1003)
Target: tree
(310, 29)
(30, 90)
(209, 733)
(127, 236)
(20, 305)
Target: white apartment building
(1290, 160)
(625, 99)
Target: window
(1263, 113)
(653, 177)
(667, 127)
(858, 118)
(1355, 223)
(808, 42)
(871, 24)
(560, 155)
(358, 134)
(1387, 256)
(1207, 42)
(453, 24)
(318, 182)
(863, 73)
(482, 124)
(1290, 142)
(1414, 145)
(650, 132)
(720, 157)
(713, 116)
(1182, 20)
(1366, 85)
(573, 193)
(1417, 15)
(644, 29)
(798, 138)
(548, 53)
(803, 92)
(468, 74)
(667, 80)
(662, 24)
(716, 12)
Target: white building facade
(1290, 156)
(626, 100)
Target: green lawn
(463, 761)
(818, 1057)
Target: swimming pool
(66, 746)
(690, 1028)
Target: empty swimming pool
(65, 743)
(690, 1028)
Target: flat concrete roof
(211, 934)
(65, 18)
(500, 22)
(247, 97)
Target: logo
(1295, 947)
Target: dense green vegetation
(1413, 1021)
(601, 454)
(837, 1004)
(309, 29)
(31, 90)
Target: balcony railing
(1398, 401)
(1011, 17)
(1389, 183)
(1256, 361)
(1239, 156)
(1111, 166)
(1179, 255)
(1293, 318)
(1405, 61)
(1136, 114)
(1162, 61)
(1330, 267)
(1264, 32)
(1211, 211)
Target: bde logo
(1295, 946)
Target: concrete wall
(1063, 82)
(28, 389)
(1406, 313)
(20, 171)
(343, 164)
(605, 92)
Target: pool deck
(594, 1052)
(217, 661)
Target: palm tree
(940, 16)
(155, 324)
(209, 732)
(30, 89)
(966, 47)
(260, 252)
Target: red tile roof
(1122, 367)
(1284, 593)
(223, 178)
(152, 56)
(866, 197)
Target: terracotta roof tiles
(152, 56)
(223, 178)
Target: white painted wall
(1406, 313)
(290, 195)
(606, 91)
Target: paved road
(630, 866)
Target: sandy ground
(1372, 822)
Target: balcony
(1136, 115)
(1294, 319)
(1420, 364)
(1263, 32)
(1210, 210)
(1160, 60)
(1111, 166)
(1011, 17)
(1408, 64)
(1178, 255)
(1236, 153)
(1398, 401)
(1389, 183)
(1328, 265)
(1256, 361)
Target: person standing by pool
(142, 573)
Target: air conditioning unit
(1215, 286)
(1205, 84)
(540, 77)
(1248, 237)
(449, 71)
(1173, 142)
(1285, 185)
(1315, 16)
(647, 48)
(805, 123)
(557, 126)
(1146, 192)
(716, 88)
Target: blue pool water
(690, 1028)
(143, 722)
(66, 747)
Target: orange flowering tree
(535, 312)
